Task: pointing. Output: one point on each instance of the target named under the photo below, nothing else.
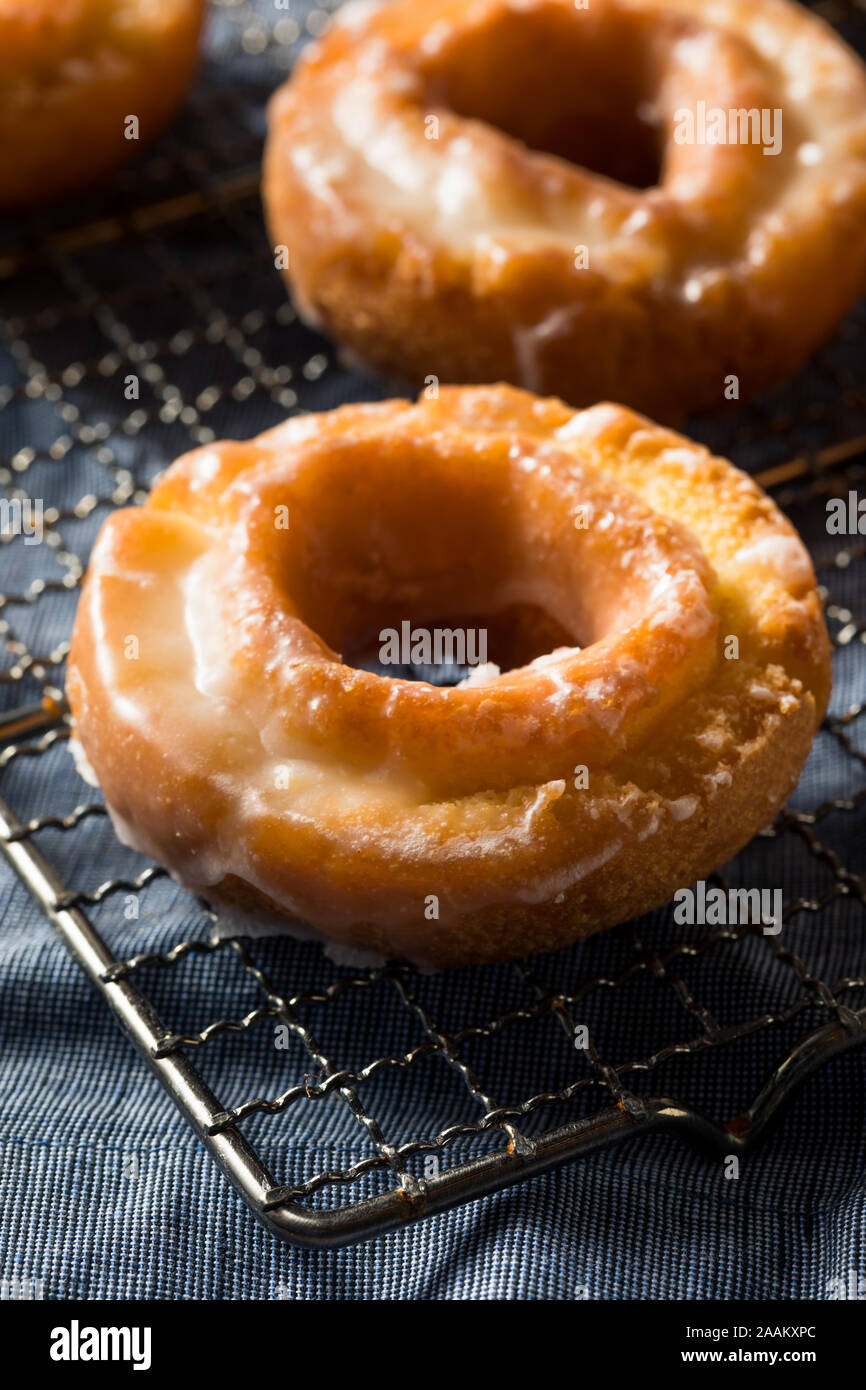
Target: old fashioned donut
(527, 190)
(514, 812)
(72, 72)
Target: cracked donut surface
(72, 72)
(501, 190)
(533, 807)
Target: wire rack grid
(439, 1089)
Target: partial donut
(514, 812)
(72, 72)
(529, 191)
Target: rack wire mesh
(165, 278)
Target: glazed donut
(72, 72)
(526, 190)
(516, 811)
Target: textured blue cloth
(104, 1191)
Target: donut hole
(389, 538)
(510, 638)
(574, 84)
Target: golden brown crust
(448, 825)
(71, 72)
(472, 257)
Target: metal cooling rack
(166, 277)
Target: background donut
(500, 191)
(72, 72)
